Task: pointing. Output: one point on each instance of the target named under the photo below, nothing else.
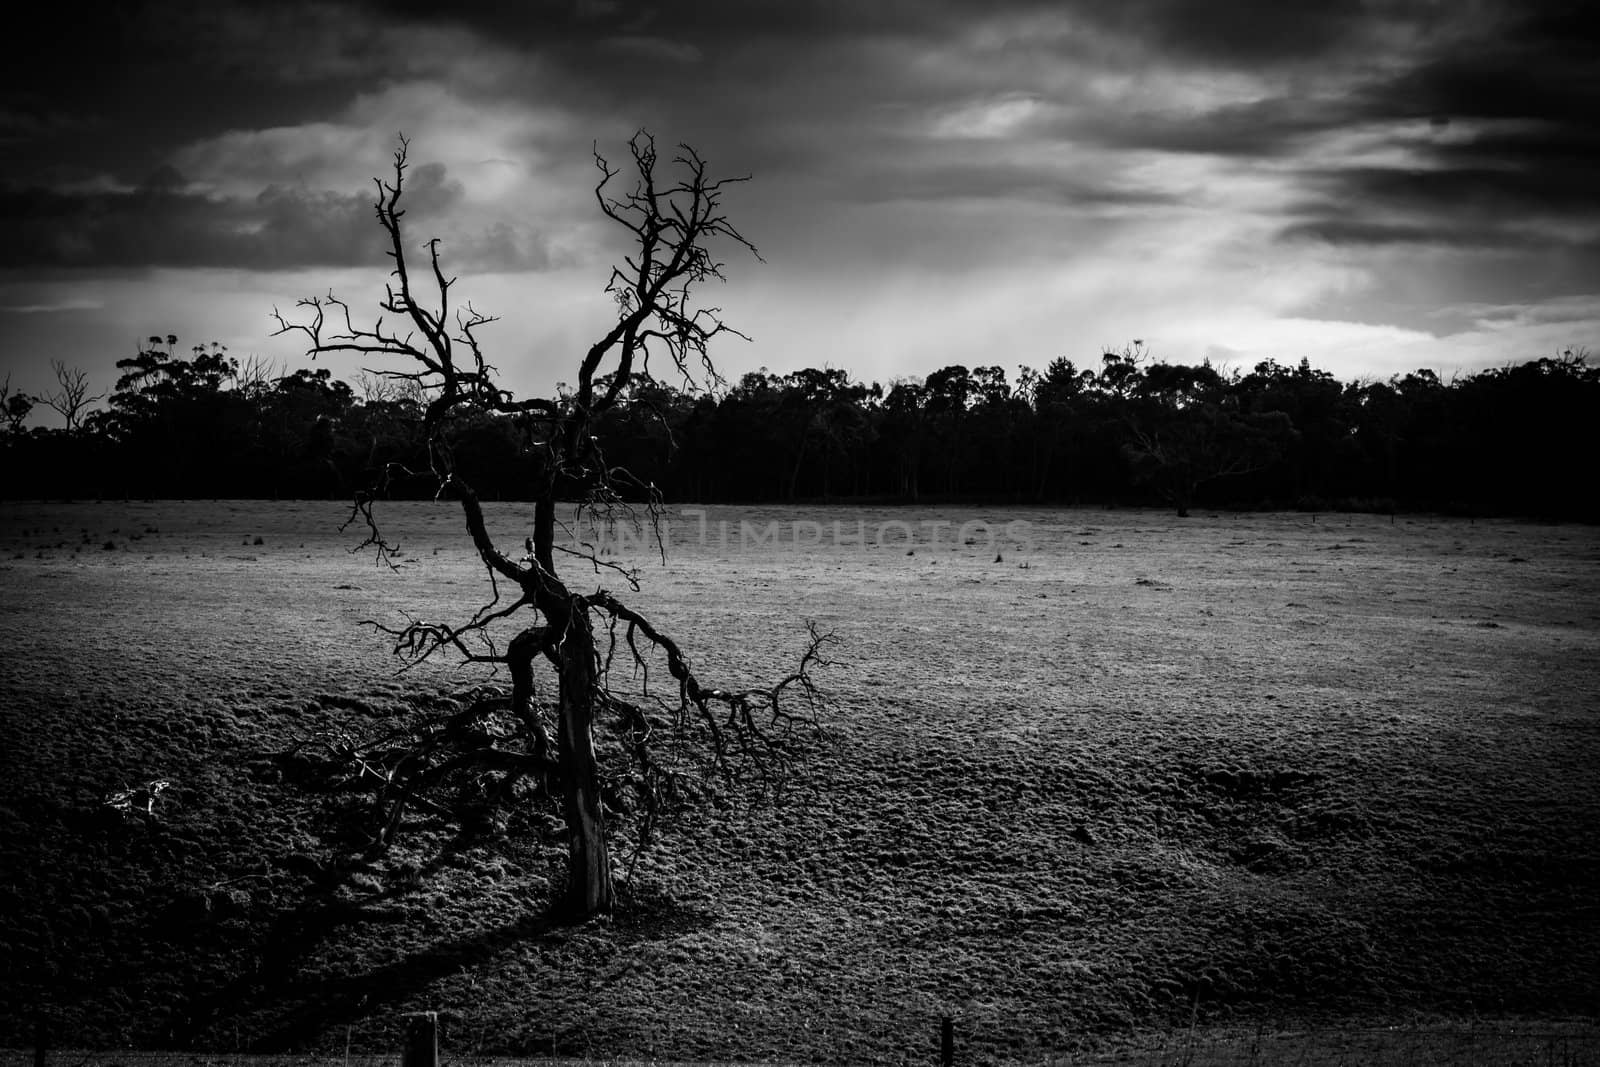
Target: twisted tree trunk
(589, 888)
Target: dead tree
(71, 396)
(532, 616)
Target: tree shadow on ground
(277, 1009)
(305, 1010)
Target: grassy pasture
(1254, 771)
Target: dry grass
(1250, 770)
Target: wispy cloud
(76, 303)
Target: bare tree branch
(71, 396)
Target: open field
(1253, 770)
(1477, 1044)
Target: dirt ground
(1091, 774)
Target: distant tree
(1189, 448)
(643, 429)
(376, 389)
(156, 383)
(1121, 372)
(1524, 435)
(672, 222)
(747, 441)
(947, 394)
(906, 430)
(1061, 383)
(998, 460)
(14, 407)
(256, 376)
(826, 409)
(296, 429)
(379, 435)
(1186, 429)
(1321, 411)
(70, 398)
(1426, 459)
(1063, 417)
(1377, 431)
(180, 426)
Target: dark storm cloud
(567, 21)
(1245, 33)
(113, 87)
(1474, 235)
(1533, 60)
(155, 226)
(1512, 152)
(160, 224)
(1268, 129)
(1467, 192)
(1384, 63)
(805, 90)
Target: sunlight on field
(1086, 775)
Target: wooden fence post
(422, 1040)
(947, 1042)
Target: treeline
(1513, 440)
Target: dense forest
(1517, 440)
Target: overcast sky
(1375, 186)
